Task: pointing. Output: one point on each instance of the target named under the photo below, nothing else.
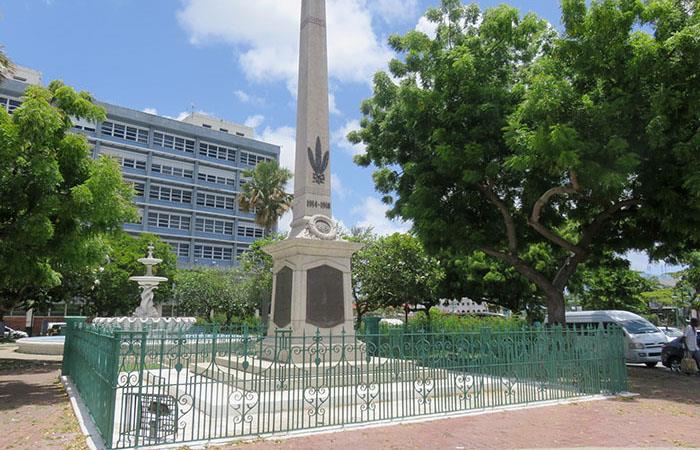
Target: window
(173, 142)
(250, 230)
(242, 183)
(84, 128)
(215, 201)
(132, 163)
(217, 151)
(213, 252)
(252, 159)
(181, 249)
(10, 104)
(203, 176)
(223, 129)
(238, 133)
(172, 171)
(241, 249)
(140, 188)
(207, 225)
(165, 220)
(206, 126)
(127, 132)
(169, 194)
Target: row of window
(169, 194)
(217, 151)
(252, 159)
(165, 220)
(216, 179)
(172, 171)
(214, 252)
(9, 104)
(216, 226)
(216, 201)
(249, 231)
(173, 142)
(126, 132)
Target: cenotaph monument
(312, 284)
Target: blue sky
(235, 59)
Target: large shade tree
(500, 134)
(56, 202)
(264, 194)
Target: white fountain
(147, 316)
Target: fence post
(372, 334)
(71, 323)
(141, 369)
(114, 357)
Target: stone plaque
(283, 297)
(325, 305)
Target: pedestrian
(690, 336)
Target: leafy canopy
(55, 200)
(501, 136)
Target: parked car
(55, 328)
(14, 334)
(643, 341)
(671, 333)
(672, 353)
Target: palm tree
(264, 193)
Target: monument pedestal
(312, 287)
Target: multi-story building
(187, 175)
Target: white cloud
(286, 138)
(339, 187)
(265, 34)
(372, 212)
(395, 10)
(151, 111)
(427, 27)
(340, 138)
(332, 107)
(254, 121)
(244, 97)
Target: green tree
(392, 271)
(5, 63)
(258, 265)
(113, 294)
(204, 292)
(499, 134)
(609, 283)
(55, 201)
(687, 290)
(264, 193)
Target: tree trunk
(556, 309)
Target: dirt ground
(35, 414)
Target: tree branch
(534, 220)
(507, 218)
(521, 266)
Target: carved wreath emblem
(319, 162)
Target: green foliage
(258, 265)
(113, 294)
(609, 283)
(207, 291)
(392, 271)
(264, 193)
(687, 290)
(439, 322)
(504, 137)
(55, 201)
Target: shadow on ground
(662, 384)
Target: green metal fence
(151, 388)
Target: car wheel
(651, 364)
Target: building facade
(187, 176)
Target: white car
(14, 334)
(671, 333)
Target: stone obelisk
(312, 280)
